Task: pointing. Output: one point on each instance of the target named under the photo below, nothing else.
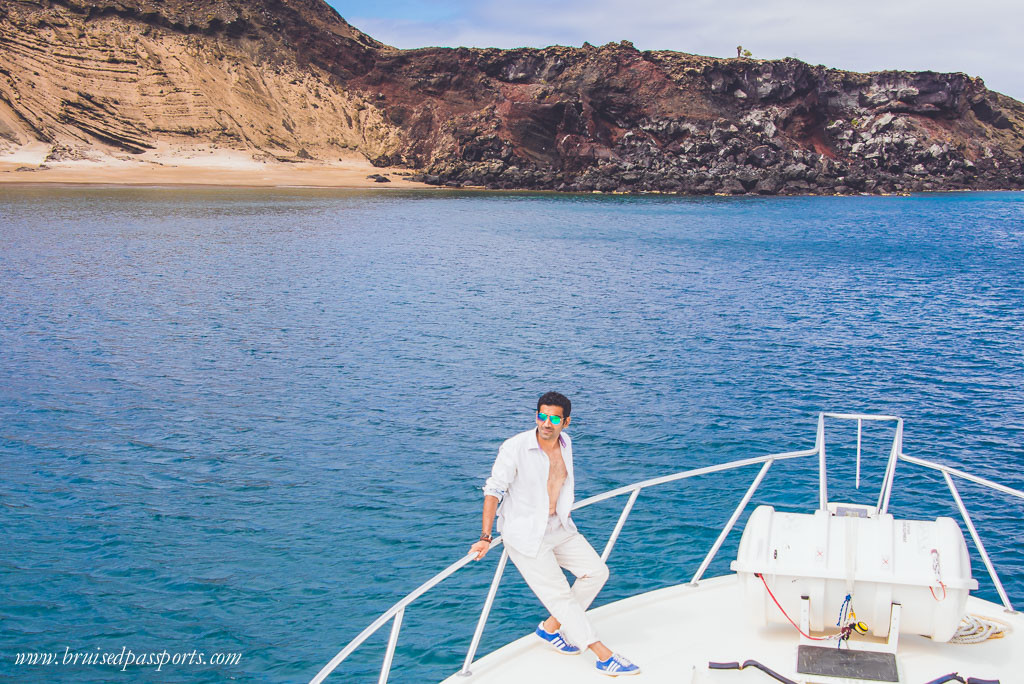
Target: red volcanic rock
(281, 76)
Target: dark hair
(555, 399)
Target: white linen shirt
(519, 480)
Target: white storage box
(876, 559)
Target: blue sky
(980, 37)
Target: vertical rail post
(618, 526)
(890, 469)
(977, 542)
(822, 473)
(732, 521)
(860, 424)
(491, 593)
(396, 627)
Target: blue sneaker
(556, 641)
(616, 666)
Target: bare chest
(557, 475)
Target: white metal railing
(397, 611)
(947, 474)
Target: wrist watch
(485, 537)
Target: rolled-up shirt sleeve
(502, 473)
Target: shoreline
(234, 171)
(201, 168)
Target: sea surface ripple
(250, 421)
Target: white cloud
(978, 38)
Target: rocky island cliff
(289, 81)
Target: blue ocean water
(249, 421)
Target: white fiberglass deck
(673, 633)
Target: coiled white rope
(975, 629)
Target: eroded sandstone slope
(92, 79)
(289, 79)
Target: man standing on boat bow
(532, 480)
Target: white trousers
(562, 548)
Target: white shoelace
(618, 662)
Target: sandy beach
(200, 166)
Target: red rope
(784, 611)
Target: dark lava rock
(608, 118)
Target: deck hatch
(832, 662)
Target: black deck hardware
(832, 662)
(955, 677)
(750, 663)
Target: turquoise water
(249, 421)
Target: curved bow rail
(397, 611)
